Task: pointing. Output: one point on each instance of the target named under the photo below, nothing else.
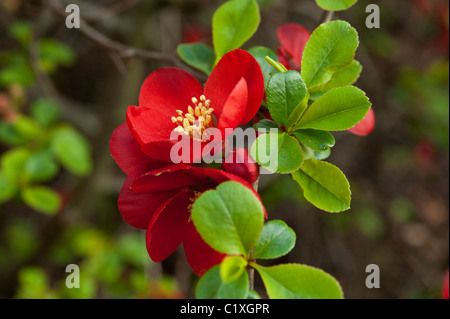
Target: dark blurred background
(399, 174)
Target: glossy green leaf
(276, 240)
(253, 295)
(260, 53)
(294, 281)
(8, 187)
(27, 127)
(211, 286)
(9, 135)
(72, 150)
(331, 47)
(234, 23)
(315, 139)
(309, 153)
(335, 5)
(285, 91)
(337, 110)
(42, 199)
(229, 218)
(197, 55)
(345, 76)
(40, 167)
(278, 153)
(232, 268)
(45, 111)
(21, 31)
(324, 185)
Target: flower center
(197, 119)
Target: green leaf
(40, 167)
(13, 162)
(335, 5)
(27, 127)
(331, 47)
(232, 268)
(197, 55)
(229, 218)
(211, 286)
(8, 187)
(21, 31)
(10, 136)
(337, 110)
(276, 240)
(260, 53)
(285, 92)
(309, 153)
(234, 23)
(345, 76)
(315, 139)
(278, 153)
(42, 199)
(45, 111)
(253, 295)
(72, 150)
(324, 185)
(53, 54)
(294, 281)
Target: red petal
(239, 163)
(228, 72)
(169, 178)
(284, 58)
(199, 255)
(293, 38)
(233, 112)
(168, 226)
(169, 89)
(127, 153)
(137, 208)
(366, 126)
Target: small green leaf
(335, 5)
(9, 135)
(337, 110)
(279, 153)
(324, 185)
(285, 92)
(40, 167)
(21, 31)
(197, 55)
(260, 53)
(345, 76)
(13, 162)
(27, 127)
(45, 111)
(309, 153)
(231, 268)
(276, 240)
(294, 281)
(72, 150)
(315, 139)
(8, 187)
(42, 199)
(331, 47)
(234, 23)
(211, 286)
(229, 218)
(53, 54)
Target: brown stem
(327, 16)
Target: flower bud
(238, 162)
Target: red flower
(158, 197)
(172, 99)
(293, 38)
(445, 287)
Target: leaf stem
(278, 66)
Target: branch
(123, 50)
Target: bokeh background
(55, 79)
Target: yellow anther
(186, 123)
(202, 98)
(179, 119)
(194, 100)
(174, 119)
(190, 117)
(197, 111)
(180, 112)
